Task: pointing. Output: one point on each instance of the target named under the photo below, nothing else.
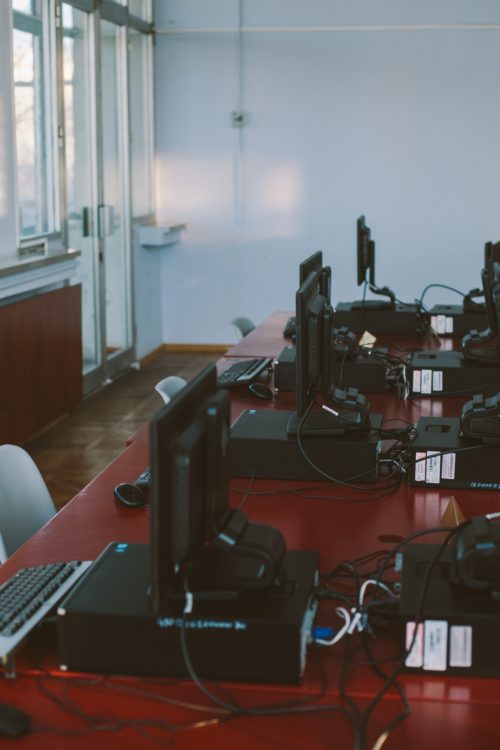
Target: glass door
(114, 207)
(96, 186)
(81, 180)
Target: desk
(459, 712)
(264, 341)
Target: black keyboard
(243, 372)
(290, 327)
(27, 597)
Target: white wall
(149, 297)
(7, 172)
(398, 124)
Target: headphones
(480, 418)
(476, 556)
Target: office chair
(25, 502)
(243, 325)
(169, 386)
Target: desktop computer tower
(453, 320)
(459, 626)
(261, 447)
(366, 372)
(378, 318)
(449, 373)
(441, 456)
(106, 626)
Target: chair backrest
(169, 386)
(243, 325)
(25, 502)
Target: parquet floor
(80, 445)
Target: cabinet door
(41, 362)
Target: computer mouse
(13, 721)
(260, 390)
(129, 495)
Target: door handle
(85, 221)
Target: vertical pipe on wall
(238, 171)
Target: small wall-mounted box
(160, 235)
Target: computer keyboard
(290, 327)
(243, 372)
(27, 597)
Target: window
(140, 8)
(35, 169)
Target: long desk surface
(342, 524)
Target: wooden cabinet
(40, 361)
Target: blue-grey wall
(401, 125)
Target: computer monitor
(314, 362)
(366, 266)
(197, 540)
(314, 317)
(314, 264)
(492, 261)
(365, 253)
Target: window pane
(67, 16)
(30, 133)
(116, 249)
(23, 6)
(79, 171)
(140, 8)
(140, 118)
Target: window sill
(21, 277)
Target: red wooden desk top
(459, 712)
(264, 341)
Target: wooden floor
(80, 445)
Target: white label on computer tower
(437, 380)
(441, 324)
(426, 385)
(416, 381)
(415, 658)
(433, 467)
(420, 466)
(460, 646)
(435, 645)
(449, 324)
(448, 466)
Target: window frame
(148, 121)
(43, 27)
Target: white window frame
(44, 27)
